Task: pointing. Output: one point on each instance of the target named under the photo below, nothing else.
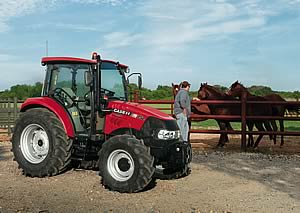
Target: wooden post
(130, 96)
(243, 120)
(15, 109)
(136, 96)
(8, 117)
(1, 107)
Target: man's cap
(185, 84)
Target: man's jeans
(183, 126)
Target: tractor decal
(123, 112)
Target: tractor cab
(84, 88)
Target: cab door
(68, 87)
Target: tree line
(22, 91)
(162, 92)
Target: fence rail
(243, 117)
(9, 112)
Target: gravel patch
(220, 181)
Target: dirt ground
(222, 180)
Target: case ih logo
(122, 112)
(119, 111)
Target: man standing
(182, 109)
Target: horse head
(202, 93)
(209, 92)
(236, 89)
(175, 89)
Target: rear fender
(53, 106)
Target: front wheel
(125, 164)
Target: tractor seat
(83, 107)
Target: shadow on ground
(278, 169)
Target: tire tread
(58, 160)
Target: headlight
(164, 134)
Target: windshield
(112, 80)
(69, 77)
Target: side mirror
(139, 79)
(140, 82)
(88, 78)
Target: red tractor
(83, 116)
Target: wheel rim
(34, 143)
(120, 165)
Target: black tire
(129, 156)
(51, 154)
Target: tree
(260, 90)
(23, 91)
(221, 88)
(296, 95)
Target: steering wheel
(64, 97)
(109, 92)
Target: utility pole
(46, 47)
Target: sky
(215, 41)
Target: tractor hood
(129, 108)
(130, 115)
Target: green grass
(161, 106)
(212, 124)
(289, 125)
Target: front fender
(53, 106)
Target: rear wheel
(125, 164)
(40, 144)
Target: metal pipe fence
(9, 112)
(243, 117)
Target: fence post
(1, 107)
(243, 120)
(136, 96)
(15, 109)
(9, 116)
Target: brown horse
(277, 110)
(236, 90)
(200, 109)
(207, 92)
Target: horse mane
(215, 92)
(214, 89)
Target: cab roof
(52, 60)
